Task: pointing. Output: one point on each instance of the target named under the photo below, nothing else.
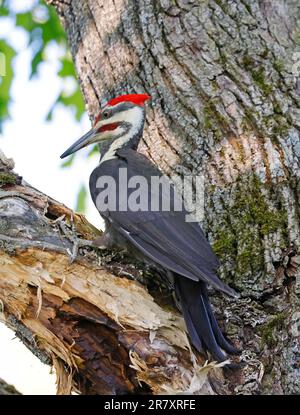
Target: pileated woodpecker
(162, 237)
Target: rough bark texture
(6, 389)
(225, 104)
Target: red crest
(138, 99)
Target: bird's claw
(103, 242)
(78, 243)
(71, 236)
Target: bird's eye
(105, 114)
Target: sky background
(35, 145)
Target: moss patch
(7, 178)
(268, 330)
(225, 244)
(279, 65)
(252, 205)
(260, 80)
(250, 217)
(214, 121)
(248, 62)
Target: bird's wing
(164, 236)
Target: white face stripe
(109, 107)
(131, 115)
(102, 121)
(134, 116)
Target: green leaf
(49, 116)
(57, 29)
(37, 59)
(74, 101)
(69, 161)
(94, 150)
(6, 81)
(3, 10)
(43, 27)
(67, 68)
(26, 21)
(81, 200)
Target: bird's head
(121, 118)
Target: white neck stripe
(133, 116)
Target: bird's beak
(84, 141)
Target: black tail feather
(222, 342)
(201, 323)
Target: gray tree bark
(223, 76)
(7, 389)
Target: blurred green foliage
(81, 199)
(43, 28)
(6, 81)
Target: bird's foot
(103, 242)
(230, 368)
(77, 244)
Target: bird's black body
(165, 238)
(161, 236)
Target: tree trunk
(225, 101)
(224, 82)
